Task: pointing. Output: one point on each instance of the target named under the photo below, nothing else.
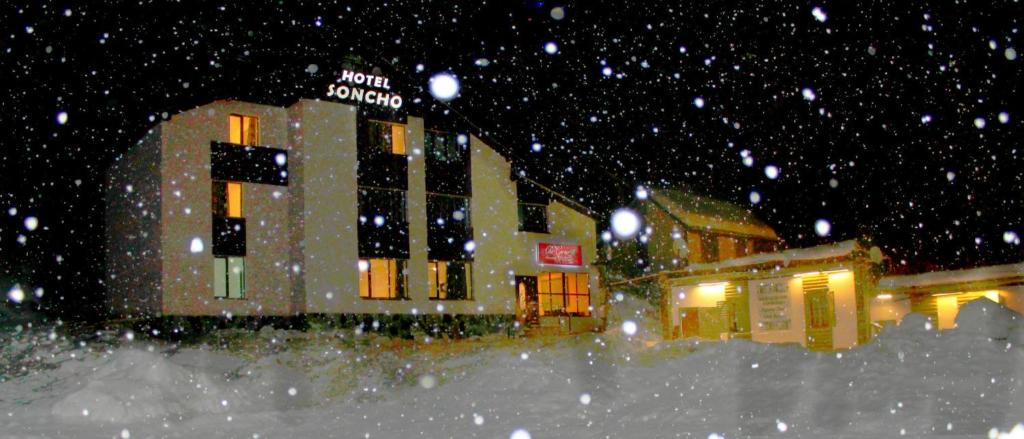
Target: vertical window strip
(244, 130)
(234, 200)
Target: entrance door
(819, 313)
(527, 305)
(690, 322)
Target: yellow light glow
(235, 200)
(235, 129)
(397, 139)
(817, 273)
(710, 293)
(992, 295)
(947, 309)
(885, 296)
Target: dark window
(381, 205)
(533, 207)
(450, 280)
(220, 198)
(448, 211)
(709, 247)
(742, 247)
(533, 217)
(764, 246)
(444, 147)
(447, 163)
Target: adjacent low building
(939, 295)
(817, 297)
(236, 208)
(684, 228)
(824, 298)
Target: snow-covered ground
(911, 381)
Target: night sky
(870, 110)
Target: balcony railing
(228, 236)
(250, 164)
(388, 239)
(383, 170)
(448, 243)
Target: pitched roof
(705, 213)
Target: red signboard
(560, 254)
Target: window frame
(433, 280)
(545, 287)
(523, 226)
(370, 197)
(452, 153)
(437, 201)
(227, 278)
(400, 291)
(242, 129)
(221, 199)
(388, 134)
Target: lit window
(450, 280)
(564, 293)
(398, 139)
(227, 199)
(244, 130)
(387, 137)
(235, 200)
(382, 279)
(229, 277)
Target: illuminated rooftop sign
(369, 89)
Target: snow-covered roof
(992, 272)
(783, 258)
(700, 212)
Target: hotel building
(242, 209)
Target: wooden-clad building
(940, 294)
(817, 297)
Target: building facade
(817, 297)
(683, 228)
(242, 209)
(939, 295)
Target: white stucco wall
(844, 333)
(894, 308)
(324, 236)
(186, 213)
(796, 331)
(302, 240)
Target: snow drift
(911, 381)
(137, 385)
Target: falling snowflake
(444, 86)
(625, 223)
